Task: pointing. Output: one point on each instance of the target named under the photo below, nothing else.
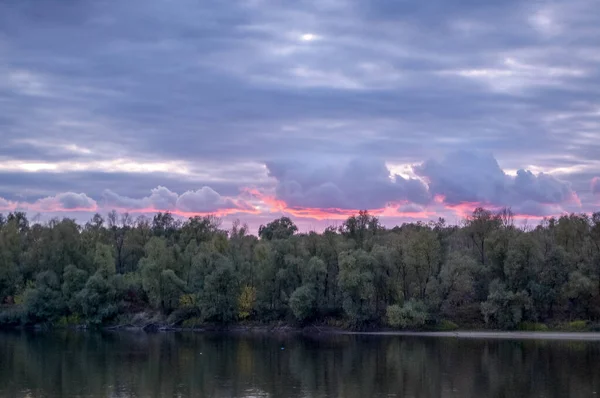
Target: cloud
(595, 185)
(474, 177)
(202, 201)
(360, 183)
(129, 95)
(68, 201)
(62, 202)
(205, 200)
(6, 205)
(533, 209)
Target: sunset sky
(312, 109)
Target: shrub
(533, 327)
(445, 325)
(70, 320)
(246, 302)
(410, 315)
(191, 323)
(576, 326)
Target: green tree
(356, 284)
(97, 301)
(218, 300)
(303, 302)
(282, 228)
(74, 280)
(44, 302)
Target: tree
(282, 228)
(504, 308)
(44, 302)
(218, 300)
(171, 289)
(303, 302)
(479, 227)
(456, 282)
(74, 280)
(361, 228)
(486, 270)
(356, 284)
(158, 258)
(423, 256)
(97, 301)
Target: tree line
(484, 272)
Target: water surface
(127, 364)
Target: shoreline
(285, 329)
(499, 335)
(329, 331)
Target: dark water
(85, 364)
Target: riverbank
(282, 329)
(507, 335)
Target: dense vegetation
(484, 272)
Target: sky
(257, 109)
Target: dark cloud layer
(132, 95)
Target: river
(129, 364)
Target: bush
(71, 320)
(446, 325)
(576, 326)
(246, 302)
(533, 327)
(410, 315)
(191, 323)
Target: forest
(484, 273)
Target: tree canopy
(486, 271)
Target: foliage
(533, 327)
(218, 299)
(486, 271)
(281, 228)
(246, 302)
(445, 326)
(74, 280)
(503, 307)
(412, 314)
(575, 326)
(44, 302)
(303, 302)
(191, 323)
(356, 282)
(97, 300)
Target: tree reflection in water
(87, 364)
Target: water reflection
(72, 364)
